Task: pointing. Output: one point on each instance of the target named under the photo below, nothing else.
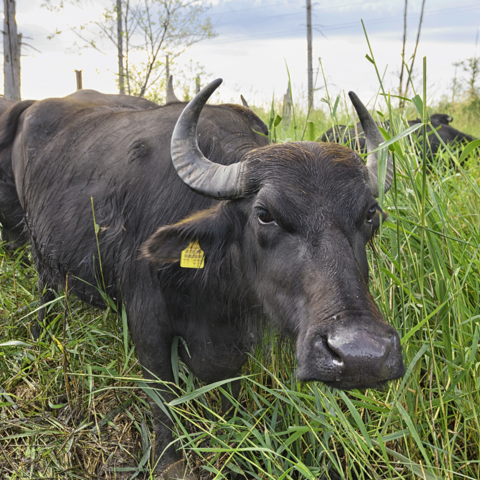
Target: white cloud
(251, 55)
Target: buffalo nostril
(323, 346)
(337, 363)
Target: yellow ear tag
(192, 256)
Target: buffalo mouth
(345, 386)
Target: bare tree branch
(416, 46)
(151, 30)
(400, 89)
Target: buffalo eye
(371, 213)
(265, 218)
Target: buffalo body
(355, 138)
(11, 212)
(288, 250)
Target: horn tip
(353, 96)
(211, 87)
(244, 102)
(171, 97)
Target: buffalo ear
(214, 229)
(165, 245)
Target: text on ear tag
(192, 256)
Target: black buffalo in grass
(207, 232)
(355, 138)
(449, 135)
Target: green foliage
(465, 113)
(463, 104)
(472, 67)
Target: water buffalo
(449, 136)
(355, 139)
(11, 212)
(283, 229)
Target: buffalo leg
(226, 403)
(154, 352)
(170, 462)
(47, 294)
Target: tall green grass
(74, 404)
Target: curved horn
(200, 174)
(171, 97)
(374, 139)
(244, 102)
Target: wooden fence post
(287, 106)
(11, 52)
(78, 73)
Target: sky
(258, 39)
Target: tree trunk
(309, 54)
(287, 106)
(416, 46)
(78, 75)
(401, 102)
(121, 78)
(167, 69)
(11, 52)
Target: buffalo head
(293, 228)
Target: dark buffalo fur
(292, 251)
(441, 119)
(11, 212)
(94, 98)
